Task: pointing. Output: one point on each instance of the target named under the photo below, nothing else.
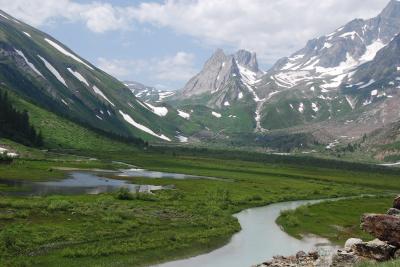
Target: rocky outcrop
(382, 226)
(376, 249)
(351, 242)
(345, 259)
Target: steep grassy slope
(61, 133)
(45, 72)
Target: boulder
(377, 250)
(300, 254)
(345, 259)
(396, 203)
(383, 227)
(393, 212)
(350, 243)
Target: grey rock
(385, 227)
(300, 254)
(345, 259)
(247, 59)
(350, 243)
(376, 250)
(393, 212)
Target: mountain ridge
(47, 73)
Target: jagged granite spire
(247, 59)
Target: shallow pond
(135, 172)
(259, 240)
(93, 182)
(77, 183)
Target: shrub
(124, 194)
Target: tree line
(15, 124)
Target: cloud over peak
(272, 28)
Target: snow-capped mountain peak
(227, 78)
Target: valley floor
(137, 230)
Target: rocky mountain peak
(392, 10)
(222, 76)
(247, 59)
(217, 58)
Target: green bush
(124, 194)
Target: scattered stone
(345, 259)
(350, 243)
(396, 203)
(300, 254)
(393, 212)
(301, 259)
(314, 255)
(383, 227)
(376, 250)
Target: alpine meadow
(177, 133)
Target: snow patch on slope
(216, 114)
(78, 76)
(66, 53)
(160, 111)
(27, 34)
(183, 114)
(371, 50)
(141, 127)
(53, 71)
(4, 16)
(182, 139)
(249, 79)
(163, 95)
(29, 63)
(100, 93)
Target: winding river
(259, 240)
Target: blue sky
(163, 43)
(141, 43)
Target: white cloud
(175, 68)
(272, 28)
(98, 17)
